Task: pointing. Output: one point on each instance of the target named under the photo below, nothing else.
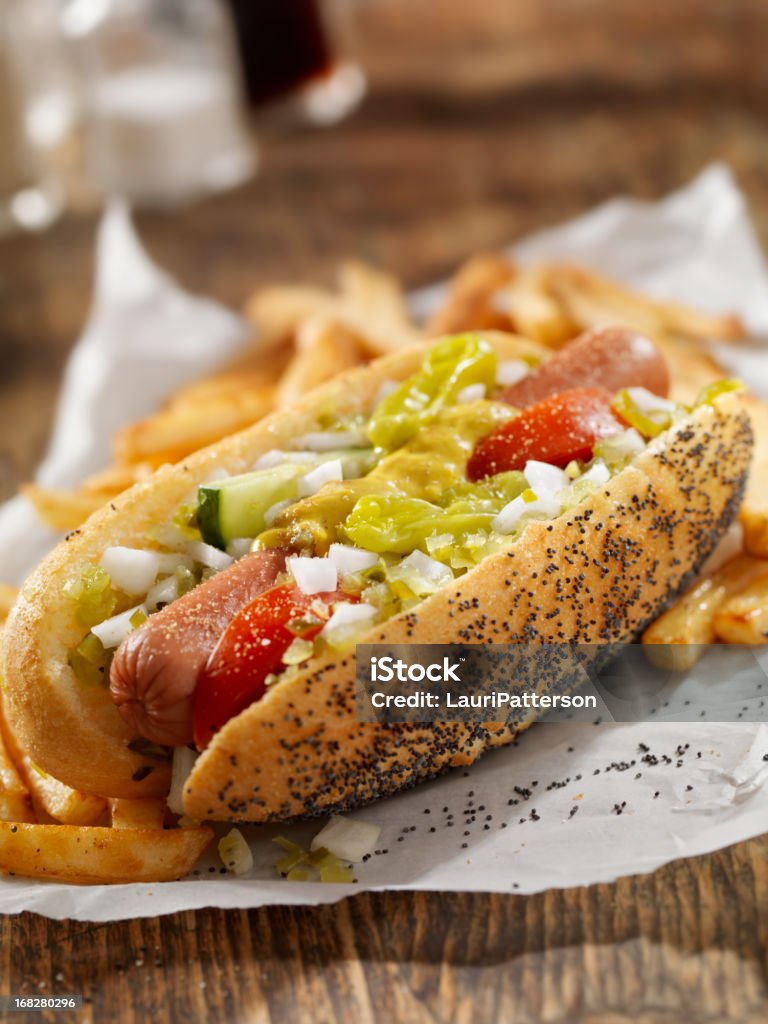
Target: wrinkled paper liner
(568, 804)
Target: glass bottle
(298, 57)
(37, 113)
(161, 98)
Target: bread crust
(73, 732)
(618, 559)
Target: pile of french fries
(306, 335)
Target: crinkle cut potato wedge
(94, 855)
(619, 557)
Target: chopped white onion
(471, 393)
(183, 763)
(209, 556)
(543, 478)
(113, 631)
(510, 371)
(313, 575)
(168, 562)
(163, 592)
(427, 567)
(131, 569)
(347, 840)
(216, 474)
(274, 457)
(239, 547)
(624, 443)
(506, 521)
(646, 401)
(274, 511)
(332, 440)
(348, 559)
(348, 614)
(316, 478)
(598, 474)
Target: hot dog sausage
(611, 358)
(155, 670)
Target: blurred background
(264, 140)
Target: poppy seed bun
(618, 559)
(598, 574)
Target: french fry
(533, 311)
(675, 640)
(324, 349)
(370, 303)
(62, 510)
(96, 855)
(58, 801)
(115, 479)
(372, 290)
(147, 813)
(743, 619)
(176, 432)
(374, 307)
(470, 303)
(252, 366)
(588, 304)
(234, 386)
(15, 802)
(755, 523)
(754, 511)
(591, 300)
(690, 368)
(66, 510)
(278, 311)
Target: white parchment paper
(569, 804)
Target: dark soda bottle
(284, 45)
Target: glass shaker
(37, 114)
(161, 98)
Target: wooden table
(485, 121)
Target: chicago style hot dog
(473, 490)
(155, 670)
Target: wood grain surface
(484, 121)
(686, 944)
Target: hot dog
(619, 533)
(155, 670)
(611, 358)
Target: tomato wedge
(252, 646)
(556, 430)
